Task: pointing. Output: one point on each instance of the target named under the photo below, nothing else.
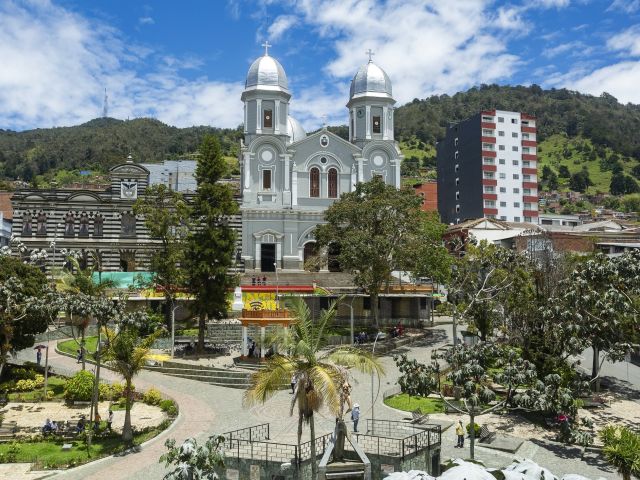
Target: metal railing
(397, 439)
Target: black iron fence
(398, 439)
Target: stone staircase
(230, 378)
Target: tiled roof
(5, 205)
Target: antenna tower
(105, 105)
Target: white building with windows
(290, 178)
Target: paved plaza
(207, 409)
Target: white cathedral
(289, 178)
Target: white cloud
(56, 64)
(627, 41)
(626, 6)
(146, 21)
(575, 48)
(552, 3)
(280, 26)
(620, 80)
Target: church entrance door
(311, 253)
(268, 257)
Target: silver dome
(295, 130)
(266, 73)
(371, 80)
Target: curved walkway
(207, 409)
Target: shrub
(23, 373)
(27, 385)
(117, 389)
(11, 455)
(476, 429)
(169, 406)
(80, 386)
(152, 397)
(105, 391)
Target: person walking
(460, 434)
(294, 379)
(109, 420)
(38, 356)
(355, 416)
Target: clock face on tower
(129, 190)
(360, 113)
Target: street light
(173, 330)
(373, 418)
(350, 305)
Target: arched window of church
(377, 125)
(98, 222)
(333, 183)
(42, 224)
(26, 224)
(314, 182)
(268, 119)
(84, 226)
(69, 225)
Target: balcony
(492, 211)
(530, 199)
(488, 139)
(530, 213)
(490, 196)
(529, 143)
(489, 168)
(489, 153)
(530, 185)
(529, 170)
(492, 182)
(490, 125)
(529, 156)
(525, 129)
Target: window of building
(526, 178)
(314, 182)
(526, 150)
(488, 160)
(455, 141)
(26, 224)
(487, 119)
(514, 148)
(516, 204)
(500, 147)
(488, 175)
(69, 226)
(516, 190)
(42, 224)
(457, 167)
(516, 162)
(333, 183)
(527, 191)
(377, 127)
(526, 163)
(527, 219)
(128, 224)
(268, 119)
(489, 189)
(488, 146)
(266, 179)
(516, 219)
(514, 121)
(457, 208)
(489, 203)
(457, 181)
(503, 190)
(527, 206)
(455, 155)
(84, 226)
(514, 134)
(503, 204)
(503, 176)
(516, 176)
(501, 161)
(503, 218)
(487, 133)
(501, 133)
(98, 223)
(500, 119)
(457, 195)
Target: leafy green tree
(167, 216)
(320, 371)
(377, 229)
(563, 171)
(211, 245)
(191, 461)
(19, 283)
(622, 450)
(580, 181)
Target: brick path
(206, 409)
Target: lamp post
(55, 241)
(173, 330)
(177, 174)
(373, 418)
(350, 305)
(275, 265)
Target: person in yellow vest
(460, 434)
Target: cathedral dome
(295, 130)
(266, 73)
(372, 81)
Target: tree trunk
(300, 419)
(202, 325)
(314, 462)
(82, 351)
(455, 325)
(595, 370)
(373, 297)
(472, 436)
(127, 432)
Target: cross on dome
(266, 46)
(371, 53)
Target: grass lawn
(56, 385)
(71, 346)
(408, 403)
(49, 454)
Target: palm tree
(622, 449)
(127, 354)
(320, 371)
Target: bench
(485, 435)
(418, 417)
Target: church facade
(290, 178)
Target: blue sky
(185, 62)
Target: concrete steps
(213, 375)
